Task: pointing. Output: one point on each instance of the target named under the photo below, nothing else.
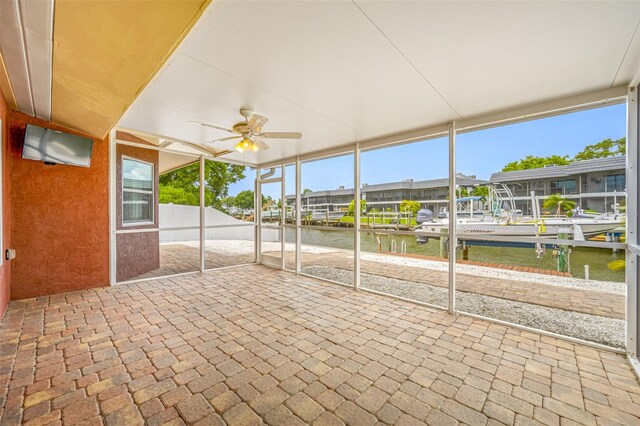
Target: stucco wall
(60, 219)
(5, 269)
(137, 253)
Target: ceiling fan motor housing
(241, 127)
(246, 113)
(250, 131)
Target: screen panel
(535, 241)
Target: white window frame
(151, 221)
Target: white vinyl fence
(178, 216)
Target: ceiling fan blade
(281, 135)
(222, 140)
(262, 146)
(256, 122)
(212, 126)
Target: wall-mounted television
(54, 147)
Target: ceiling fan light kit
(246, 145)
(249, 131)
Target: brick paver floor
(571, 299)
(253, 344)
(177, 258)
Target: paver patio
(253, 344)
(572, 299)
(177, 258)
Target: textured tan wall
(61, 226)
(5, 269)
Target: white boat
(271, 214)
(323, 215)
(549, 227)
(503, 220)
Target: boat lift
(502, 204)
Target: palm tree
(481, 191)
(558, 203)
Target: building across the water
(432, 194)
(593, 184)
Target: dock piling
(444, 243)
(586, 272)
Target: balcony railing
(563, 191)
(604, 187)
(520, 192)
(586, 189)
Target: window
(137, 192)
(564, 186)
(616, 183)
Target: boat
(504, 220)
(549, 227)
(324, 215)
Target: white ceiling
(341, 71)
(26, 32)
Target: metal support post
(257, 217)
(283, 219)
(112, 209)
(298, 217)
(453, 209)
(356, 217)
(202, 215)
(633, 225)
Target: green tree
(533, 162)
(480, 191)
(169, 194)
(602, 149)
(558, 203)
(217, 177)
(363, 207)
(228, 201)
(306, 191)
(462, 191)
(244, 200)
(410, 206)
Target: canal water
(597, 259)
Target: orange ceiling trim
(106, 53)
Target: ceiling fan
(250, 133)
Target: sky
(479, 153)
(132, 169)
